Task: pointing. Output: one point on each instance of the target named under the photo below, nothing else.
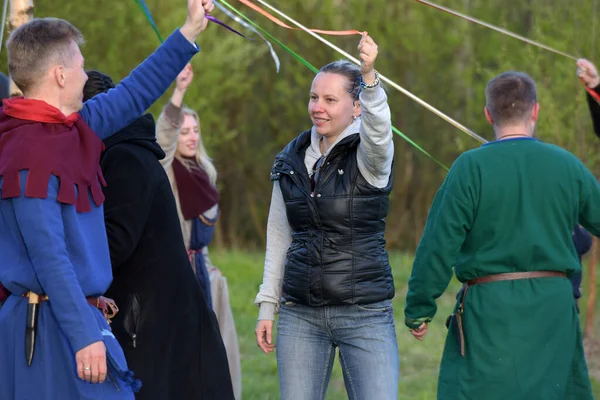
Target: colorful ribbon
(216, 21)
(283, 24)
(250, 28)
(508, 33)
(383, 78)
(504, 31)
(146, 11)
(316, 70)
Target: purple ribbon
(216, 21)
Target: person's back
(503, 218)
(165, 325)
(526, 199)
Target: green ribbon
(316, 70)
(146, 11)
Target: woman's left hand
(368, 54)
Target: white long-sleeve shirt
(374, 158)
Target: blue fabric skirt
(53, 372)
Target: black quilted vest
(337, 255)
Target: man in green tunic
(503, 219)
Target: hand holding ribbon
(587, 72)
(198, 14)
(368, 54)
(284, 25)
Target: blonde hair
(202, 158)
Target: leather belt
(107, 306)
(457, 318)
(513, 276)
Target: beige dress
(167, 131)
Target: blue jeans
(366, 337)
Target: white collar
(315, 138)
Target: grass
(419, 361)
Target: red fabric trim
(46, 143)
(37, 111)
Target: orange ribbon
(280, 23)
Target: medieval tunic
(509, 206)
(60, 248)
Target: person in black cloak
(170, 336)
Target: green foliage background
(249, 112)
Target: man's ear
(488, 116)
(59, 75)
(535, 112)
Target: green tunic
(508, 206)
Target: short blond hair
(33, 46)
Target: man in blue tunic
(55, 258)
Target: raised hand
(368, 54)
(588, 73)
(185, 77)
(196, 20)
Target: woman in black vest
(326, 269)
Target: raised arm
(110, 112)
(376, 149)
(588, 73)
(594, 107)
(170, 119)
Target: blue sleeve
(582, 240)
(41, 225)
(107, 113)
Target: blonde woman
(193, 180)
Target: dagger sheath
(31, 326)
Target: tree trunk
(21, 11)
